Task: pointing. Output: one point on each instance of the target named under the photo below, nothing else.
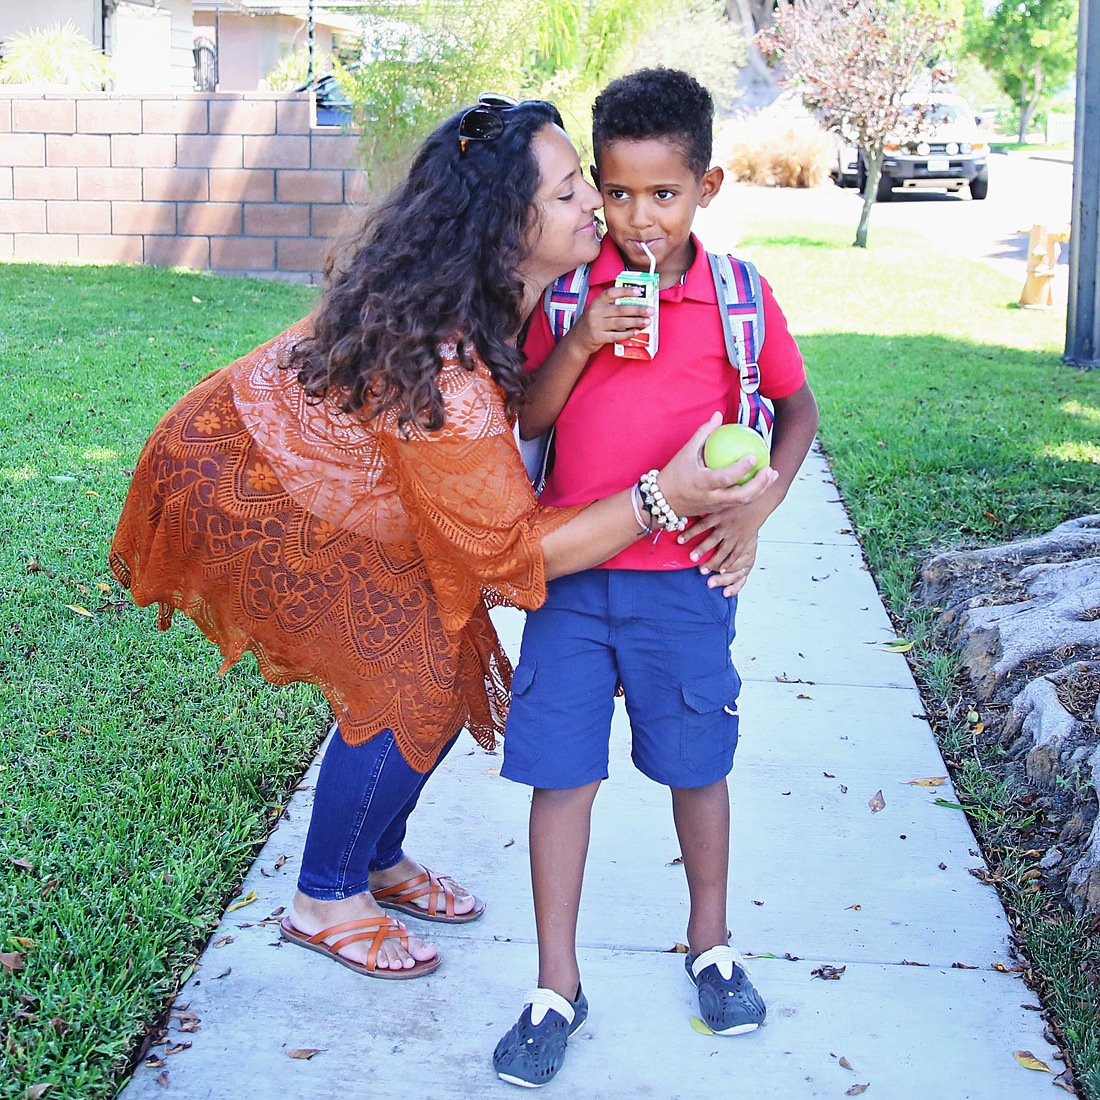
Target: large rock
(1026, 621)
(1020, 610)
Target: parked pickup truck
(950, 152)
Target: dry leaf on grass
(37, 1091)
(23, 865)
(11, 961)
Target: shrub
(54, 56)
(775, 151)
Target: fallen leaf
(828, 775)
(907, 962)
(197, 301)
(898, 645)
(677, 949)
(1032, 1008)
(153, 1062)
(755, 902)
(24, 942)
(224, 974)
(800, 696)
(1004, 969)
(857, 908)
(248, 899)
(762, 955)
(931, 781)
(979, 729)
(510, 843)
(11, 961)
(791, 958)
(962, 966)
(971, 716)
(103, 587)
(1029, 1061)
(222, 941)
(278, 911)
(22, 864)
(492, 771)
(75, 607)
(1062, 1083)
(828, 973)
(843, 789)
(876, 802)
(304, 1053)
(36, 1091)
(856, 1090)
(176, 1048)
(675, 862)
(700, 1026)
(991, 517)
(845, 1064)
(942, 866)
(784, 793)
(162, 1079)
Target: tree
(853, 61)
(1031, 47)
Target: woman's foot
(309, 916)
(406, 870)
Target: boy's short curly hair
(657, 103)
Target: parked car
(949, 152)
(845, 171)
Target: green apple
(730, 442)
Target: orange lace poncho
(337, 550)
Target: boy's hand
(606, 321)
(732, 576)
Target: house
(179, 45)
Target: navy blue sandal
(728, 1002)
(533, 1050)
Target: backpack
(741, 302)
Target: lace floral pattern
(339, 551)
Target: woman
(347, 501)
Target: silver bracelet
(636, 504)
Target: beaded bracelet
(664, 515)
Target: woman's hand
(606, 321)
(692, 489)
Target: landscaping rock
(1026, 620)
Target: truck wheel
(979, 185)
(885, 190)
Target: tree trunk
(1029, 105)
(873, 160)
(740, 11)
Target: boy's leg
(702, 817)
(559, 831)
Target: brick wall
(233, 182)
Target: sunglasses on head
(485, 122)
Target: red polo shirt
(626, 416)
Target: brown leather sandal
(403, 896)
(377, 929)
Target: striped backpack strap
(564, 299)
(741, 301)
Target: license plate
(939, 164)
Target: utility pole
(1083, 319)
(311, 39)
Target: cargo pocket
(708, 733)
(521, 734)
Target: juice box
(646, 286)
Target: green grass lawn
(134, 785)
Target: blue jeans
(365, 794)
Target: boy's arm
(733, 531)
(604, 321)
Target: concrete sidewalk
(829, 718)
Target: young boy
(645, 619)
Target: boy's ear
(710, 184)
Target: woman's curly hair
(437, 260)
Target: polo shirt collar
(698, 283)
